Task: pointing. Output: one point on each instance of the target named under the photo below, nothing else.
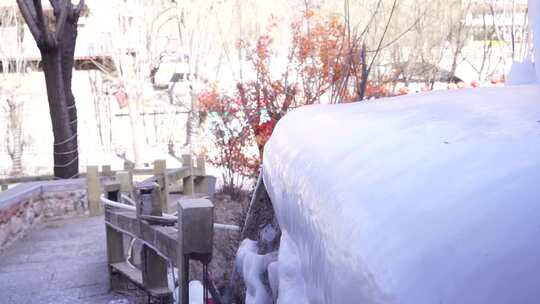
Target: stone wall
(64, 204)
(25, 206)
(16, 220)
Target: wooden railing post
(126, 182)
(93, 186)
(153, 266)
(129, 167)
(195, 238)
(149, 200)
(154, 270)
(115, 238)
(112, 190)
(203, 183)
(188, 181)
(201, 165)
(106, 171)
(115, 245)
(160, 172)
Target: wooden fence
(165, 210)
(190, 166)
(170, 238)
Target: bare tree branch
(61, 18)
(56, 5)
(372, 17)
(31, 21)
(379, 46)
(48, 39)
(78, 8)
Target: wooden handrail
(173, 174)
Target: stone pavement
(59, 262)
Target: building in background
(103, 117)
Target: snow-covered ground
(429, 198)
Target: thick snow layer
(427, 198)
(252, 266)
(522, 73)
(291, 285)
(196, 292)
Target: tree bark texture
(57, 50)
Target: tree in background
(56, 43)
(152, 43)
(13, 69)
(13, 105)
(326, 63)
(331, 57)
(15, 142)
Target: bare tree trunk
(193, 119)
(57, 51)
(15, 142)
(16, 157)
(460, 36)
(67, 49)
(65, 140)
(136, 132)
(361, 89)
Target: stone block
(16, 225)
(4, 217)
(38, 207)
(4, 234)
(29, 216)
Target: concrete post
(93, 190)
(188, 181)
(4, 187)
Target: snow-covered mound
(428, 198)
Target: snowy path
(60, 262)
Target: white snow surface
(196, 292)
(252, 266)
(426, 198)
(522, 73)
